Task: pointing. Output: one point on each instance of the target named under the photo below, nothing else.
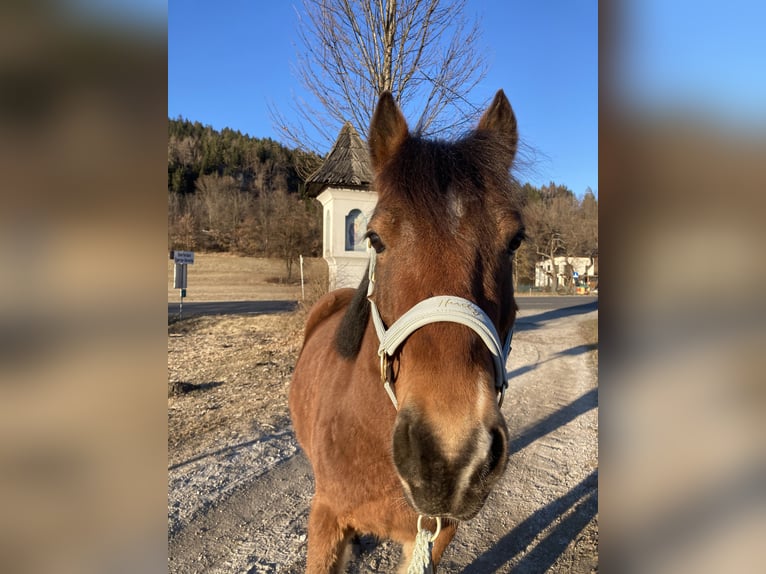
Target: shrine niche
(356, 227)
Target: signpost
(182, 259)
(303, 291)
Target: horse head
(445, 229)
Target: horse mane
(348, 338)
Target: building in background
(342, 184)
(572, 273)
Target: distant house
(342, 184)
(569, 271)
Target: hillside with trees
(232, 192)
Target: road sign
(179, 277)
(186, 257)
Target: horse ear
(388, 130)
(499, 118)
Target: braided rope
(422, 560)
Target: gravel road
(239, 487)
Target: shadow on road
(579, 349)
(583, 502)
(528, 323)
(233, 307)
(233, 448)
(555, 420)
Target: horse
(395, 394)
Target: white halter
(443, 308)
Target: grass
(226, 277)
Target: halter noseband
(442, 308)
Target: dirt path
(239, 487)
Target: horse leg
(328, 548)
(440, 544)
(407, 549)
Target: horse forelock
(437, 181)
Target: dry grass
(224, 374)
(226, 277)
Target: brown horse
(441, 241)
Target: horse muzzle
(448, 478)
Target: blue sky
(701, 57)
(229, 60)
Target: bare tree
(425, 52)
(589, 223)
(222, 206)
(558, 225)
(551, 226)
(181, 224)
(287, 227)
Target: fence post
(303, 292)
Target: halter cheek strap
(443, 308)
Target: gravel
(239, 487)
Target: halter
(442, 308)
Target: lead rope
(422, 560)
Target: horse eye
(375, 241)
(514, 243)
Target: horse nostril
(497, 449)
(406, 449)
